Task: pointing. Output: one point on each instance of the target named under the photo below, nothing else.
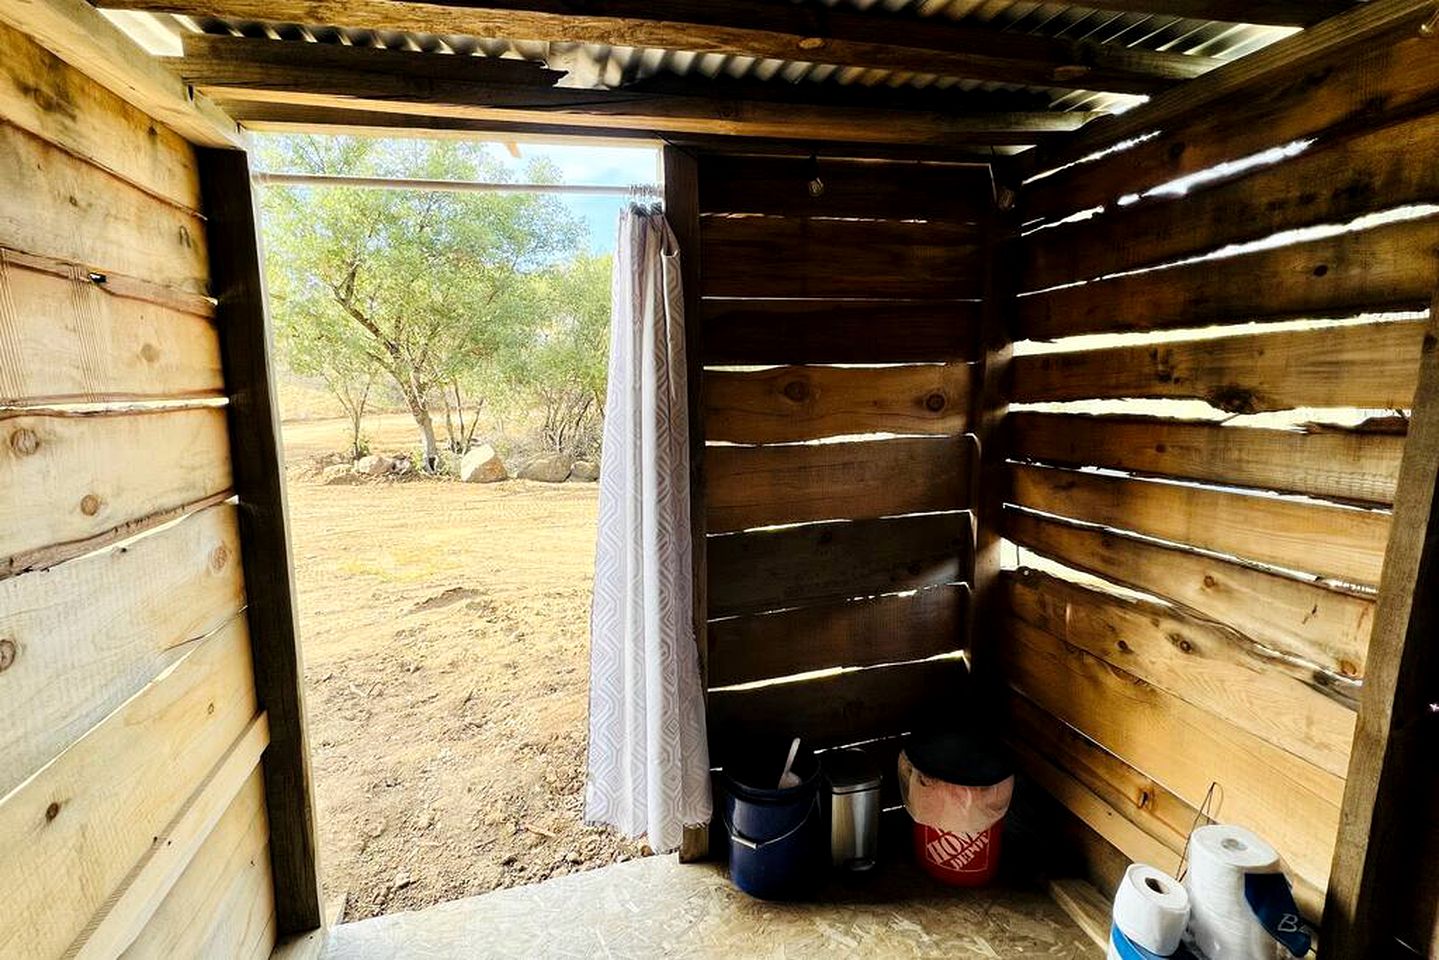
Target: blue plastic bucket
(776, 836)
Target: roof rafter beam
(302, 118)
(765, 29)
(235, 70)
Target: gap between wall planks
(1384, 77)
(1391, 765)
(1387, 167)
(241, 313)
(772, 569)
(1265, 529)
(1382, 268)
(681, 190)
(795, 483)
(833, 710)
(1368, 366)
(846, 633)
(1325, 629)
(1333, 463)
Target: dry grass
(445, 631)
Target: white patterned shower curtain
(648, 759)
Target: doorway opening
(441, 357)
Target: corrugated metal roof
(593, 65)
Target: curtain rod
(458, 186)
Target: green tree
(559, 365)
(428, 287)
(325, 345)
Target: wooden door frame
(246, 341)
(1396, 710)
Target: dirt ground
(445, 632)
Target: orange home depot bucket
(959, 859)
(957, 788)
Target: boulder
(482, 465)
(374, 465)
(548, 468)
(337, 473)
(587, 470)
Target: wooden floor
(657, 907)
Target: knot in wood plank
(24, 441)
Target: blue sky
(591, 164)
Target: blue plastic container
(776, 836)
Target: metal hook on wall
(816, 185)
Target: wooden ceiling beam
(237, 70)
(747, 28)
(304, 118)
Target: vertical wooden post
(237, 281)
(1394, 740)
(681, 186)
(990, 403)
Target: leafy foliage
(558, 367)
(438, 293)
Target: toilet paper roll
(1151, 909)
(1224, 860)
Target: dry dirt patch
(445, 630)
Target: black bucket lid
(963, 757)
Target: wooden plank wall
(1257, 540)
(839, 334)
(132, 814)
